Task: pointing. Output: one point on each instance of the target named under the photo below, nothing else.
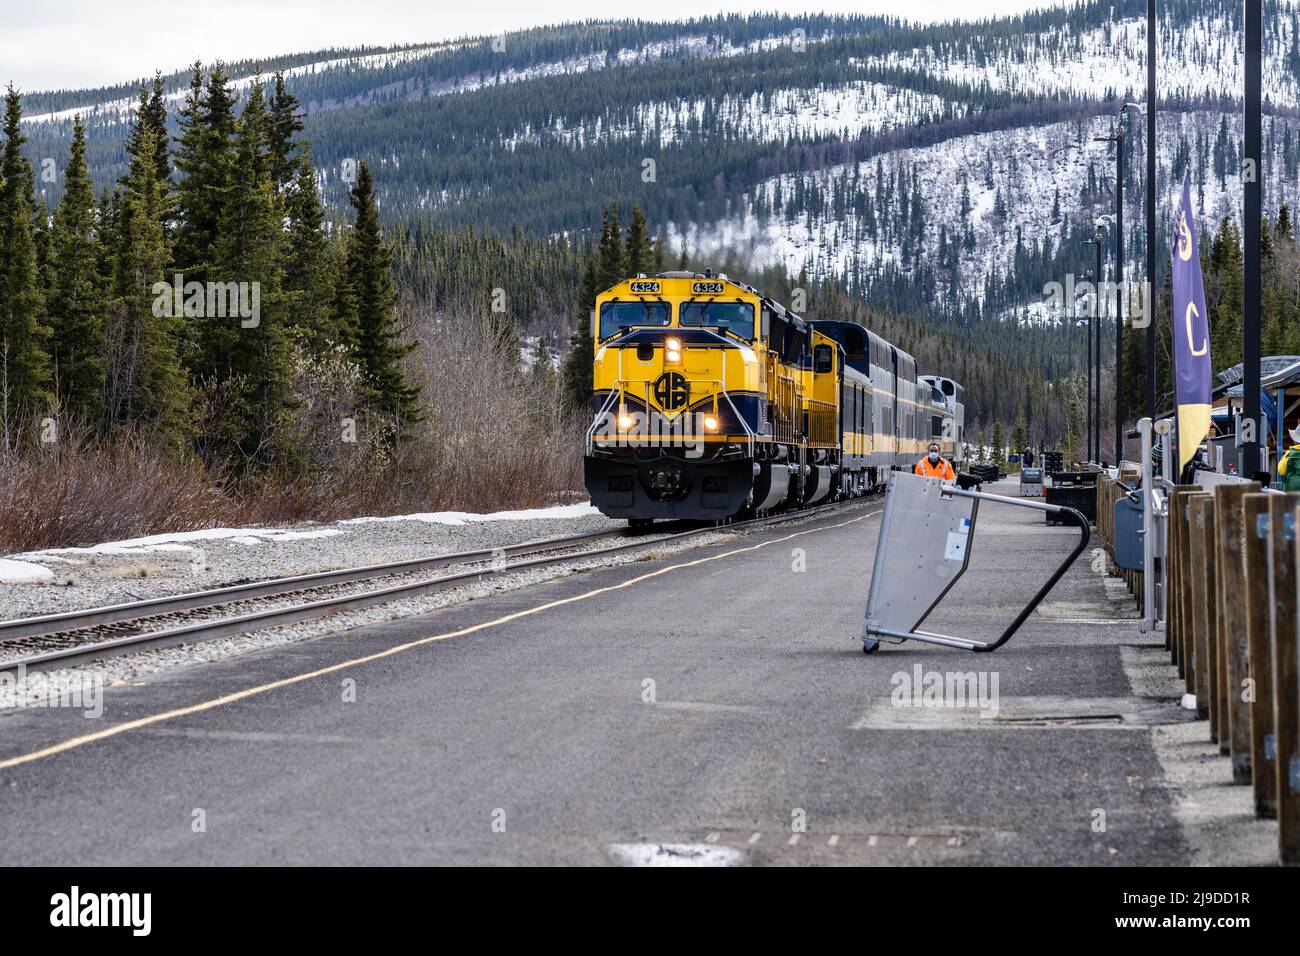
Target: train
(711, 401)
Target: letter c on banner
(1187, 317)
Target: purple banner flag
(1193, 389)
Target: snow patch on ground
(675, 854)
(583, 510)
(21, 572)
(180, 541)
(184, 541)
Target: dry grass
(491, 439)
(79, 491)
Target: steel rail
(276, 617)
(198, 600)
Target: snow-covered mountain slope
(1200, 58)
(844, 111)
(685, 47)
(1016, 186)
(848, 148)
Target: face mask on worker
(934, 457)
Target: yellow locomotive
(711, 400)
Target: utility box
(1073, 489)
(1128, 534)
(1031, 483)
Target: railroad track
(57, 640)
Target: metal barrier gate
(926, 535)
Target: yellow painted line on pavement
(216, 702)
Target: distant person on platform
(934, 465)
(1288, 467)
(1029, 458)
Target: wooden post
(1286, 698)
(1189, 558)
(1176, 623)
(1232, 623)
(1173, 567)
(1256, 521)
(1202, 567)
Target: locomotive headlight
(711, 423)
(673, 343)
(673, 355)
(625, 422)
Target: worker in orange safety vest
(934, 465)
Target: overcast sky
(54, 44)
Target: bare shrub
(492, 438)
(81, 489)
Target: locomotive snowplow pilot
(935, 465)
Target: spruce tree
(77, 300)
(285, 123)
(248, 352)
(23, 334)
(151, 114)
(307, 276)
(612, 268)
(1019, 433)
(205, 158)
(343, 301)
(147, 386)
(576, 376)
(377, 338)
(639, 256)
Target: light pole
(1083, 327)
(1095, 242)
(1151, 208)
(1092, 323)
(1118, 139)
(1249, 462)
(1120, 131)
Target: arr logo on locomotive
(672, 391)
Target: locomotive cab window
(734, 317)
(615, 316)
(823, 360)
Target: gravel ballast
(126, 668)
(68, 579)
